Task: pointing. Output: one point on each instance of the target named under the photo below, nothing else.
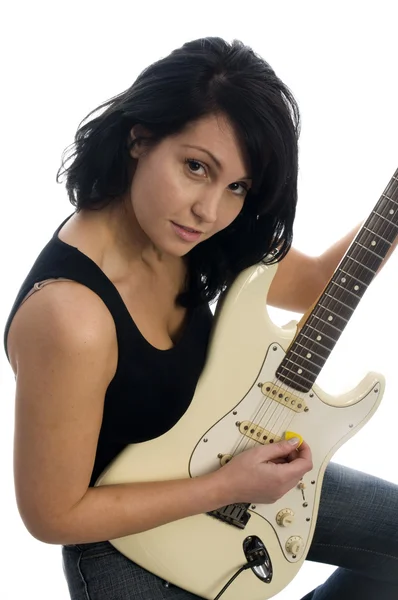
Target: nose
(206, 205)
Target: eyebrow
(217, 162)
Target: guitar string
(277, 409)
(367, 236)
(277, 384)
(277, 428)
(284, 411)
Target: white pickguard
(200, 553)
(224, 436)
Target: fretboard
(324, 325)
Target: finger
(279, 461)
(278, 450)
(304, 451)
(292, 456)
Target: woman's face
(189, 186)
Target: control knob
(285, 517)
(294, 544)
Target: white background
(61, 60)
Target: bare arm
(62, 345)
(63, 349)
(300, 279)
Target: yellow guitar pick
(291, 434)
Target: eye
(244, 188)
(194, 166)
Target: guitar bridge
(233, 514)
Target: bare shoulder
(59, 316)
(63, 349)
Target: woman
(184, 180)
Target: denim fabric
(357, 530)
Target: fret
(396, 178)
(379, 236)
(344, 290)
(314, 342)
(387, 208)
(305, 358)
(368, 250)
(360, 249)
(296, 343)
(321, 333)
(343, 303)
(346, 301)
(327, 323)
(353, 276)
(340, 301)
(362, 265)
(388, 198)
(296, 374)
(338, 320)
(346, 294)
(366, 259)
(301, 367)
(369, 234)
(385, 218)
(333, 313)
(380, 210)
(296, 385)
(383, 227)
(294, 380)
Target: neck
(125, 245)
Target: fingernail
(294, 441)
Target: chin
(175, 250)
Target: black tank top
(152, 388)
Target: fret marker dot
(356, 287)
(373, 243)
(319, 337)
(299, 371)
(309, 355)
(343, 279)
(392, 211)
(330, 318)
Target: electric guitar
(257, 387)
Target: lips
(188, 234)
(188, 228)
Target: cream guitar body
(258, 386)
(201, 553)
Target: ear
(142, 136)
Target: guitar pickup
(257, 433)
(284, 397)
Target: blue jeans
(357, 530)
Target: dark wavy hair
(203, 77)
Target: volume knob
(285, 517)
(294, 544)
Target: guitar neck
(324, 325)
